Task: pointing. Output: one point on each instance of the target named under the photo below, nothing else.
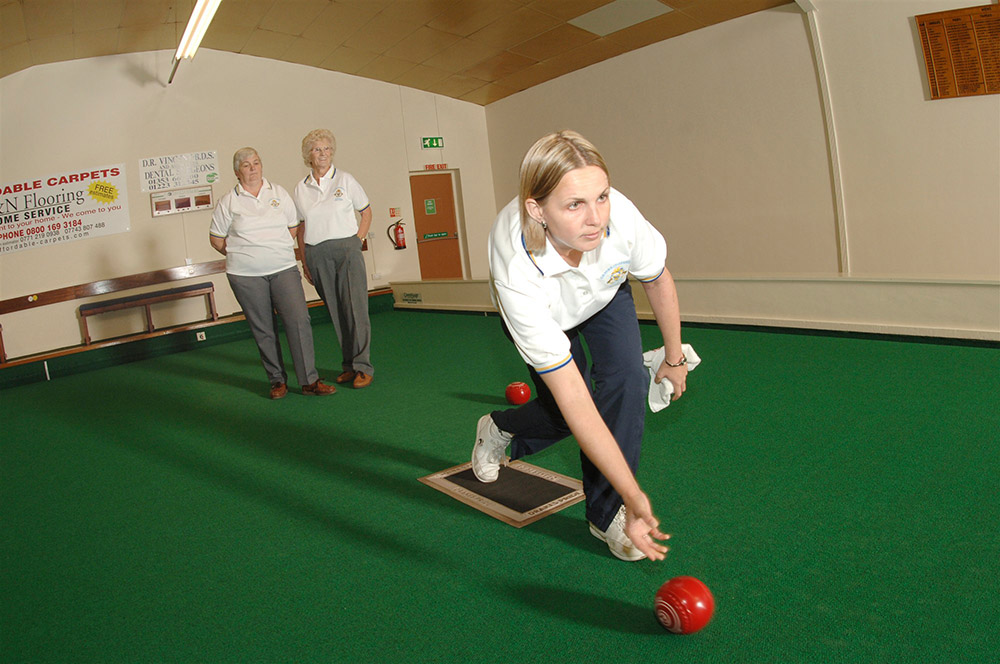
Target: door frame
(456, 193)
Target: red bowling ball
(518, 393)
(684, 605)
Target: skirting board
(925, 308)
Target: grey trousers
(339, 275)
(260, 297)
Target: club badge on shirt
(338, 193)
(275, 203)
(615, 273)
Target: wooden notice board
(962, 51)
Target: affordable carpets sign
(63, 207)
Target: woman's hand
(644, 529)
(305, 273)
(676, 375)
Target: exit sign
(431, 142)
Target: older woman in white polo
(336, 216)
(254, 226)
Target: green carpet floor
(841, 497)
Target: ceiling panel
(515, 28)
(475, 50)
(423, 44)
(564, 37)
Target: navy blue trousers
(619, 384)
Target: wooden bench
(146, 300)
(130, 282)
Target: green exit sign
(431, 142)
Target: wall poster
(194, 169)
(961, 51)
(63, 207)
(181, 200)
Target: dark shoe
(362, 380)
(278, 390)
(318, 389)
(345, 377)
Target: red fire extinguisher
(396, 235)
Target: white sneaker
(489, 452)
(616, 539)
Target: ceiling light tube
(202, 15)
(197, 25)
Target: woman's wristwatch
(680, 363)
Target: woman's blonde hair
(545, 164)
(314, 137)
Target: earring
(545, 226)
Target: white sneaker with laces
(489, 451)
(616, 539)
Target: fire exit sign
(431, 142)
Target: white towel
(660, 393)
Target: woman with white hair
(330, 202)
(254, 226)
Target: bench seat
(145, 300)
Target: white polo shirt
(256, 230)
(541, 295)
(328, 207)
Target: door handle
(435, 237)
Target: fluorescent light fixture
(619, 15)
(197, 25)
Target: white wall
(921, 177)
(716, 135)
(118, 109)
(722, 138)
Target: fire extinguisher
(396, 235)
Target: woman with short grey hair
(254, 226)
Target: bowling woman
(560, 256)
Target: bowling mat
(522, 494)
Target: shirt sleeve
(648, 248)
(222, 218)
(519, 292)
(537, 337)
(296, 198)
(357, 193)
(287, 208)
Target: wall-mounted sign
(181, 200)
(961, 51)
(178, 170)
(435, 167)
(431, 143)
(63, 207)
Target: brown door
(436, 225)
